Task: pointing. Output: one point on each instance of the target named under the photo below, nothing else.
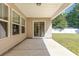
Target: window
(23, 29)
(3, 29)
(3, 11)
(0, 10)
(15, 23)
(23, 22)
(16, 18)
(3, 24)
(15, 29)
(23, 25)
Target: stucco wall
(30, 25)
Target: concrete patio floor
(39, 47)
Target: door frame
(33, 27)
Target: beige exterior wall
(30, 25)
(10, 41)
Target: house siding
(10, 41)
(30, 25)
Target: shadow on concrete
(29, 47)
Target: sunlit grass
(70, 41)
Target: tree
(73, 17)
(68, 19)
(59, 22)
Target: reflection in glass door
(38, 29)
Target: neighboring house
(26, 20)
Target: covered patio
(31, 22)
(39, 47)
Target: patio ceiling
(44, 10)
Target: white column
(48, 33)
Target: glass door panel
(38, 29)
(41, 29)
(35, 28)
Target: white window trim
(22, 25)
(8, 21)
(36, 20)
(17, 23)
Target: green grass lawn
(70, 41)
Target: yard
(70, 41)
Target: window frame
(20, 25)
(23, 25)
(16, 19)
(3, 11)
(5, 20)
(13, 10)
(10, 22)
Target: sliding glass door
(39, 29)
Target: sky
(70, 8)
